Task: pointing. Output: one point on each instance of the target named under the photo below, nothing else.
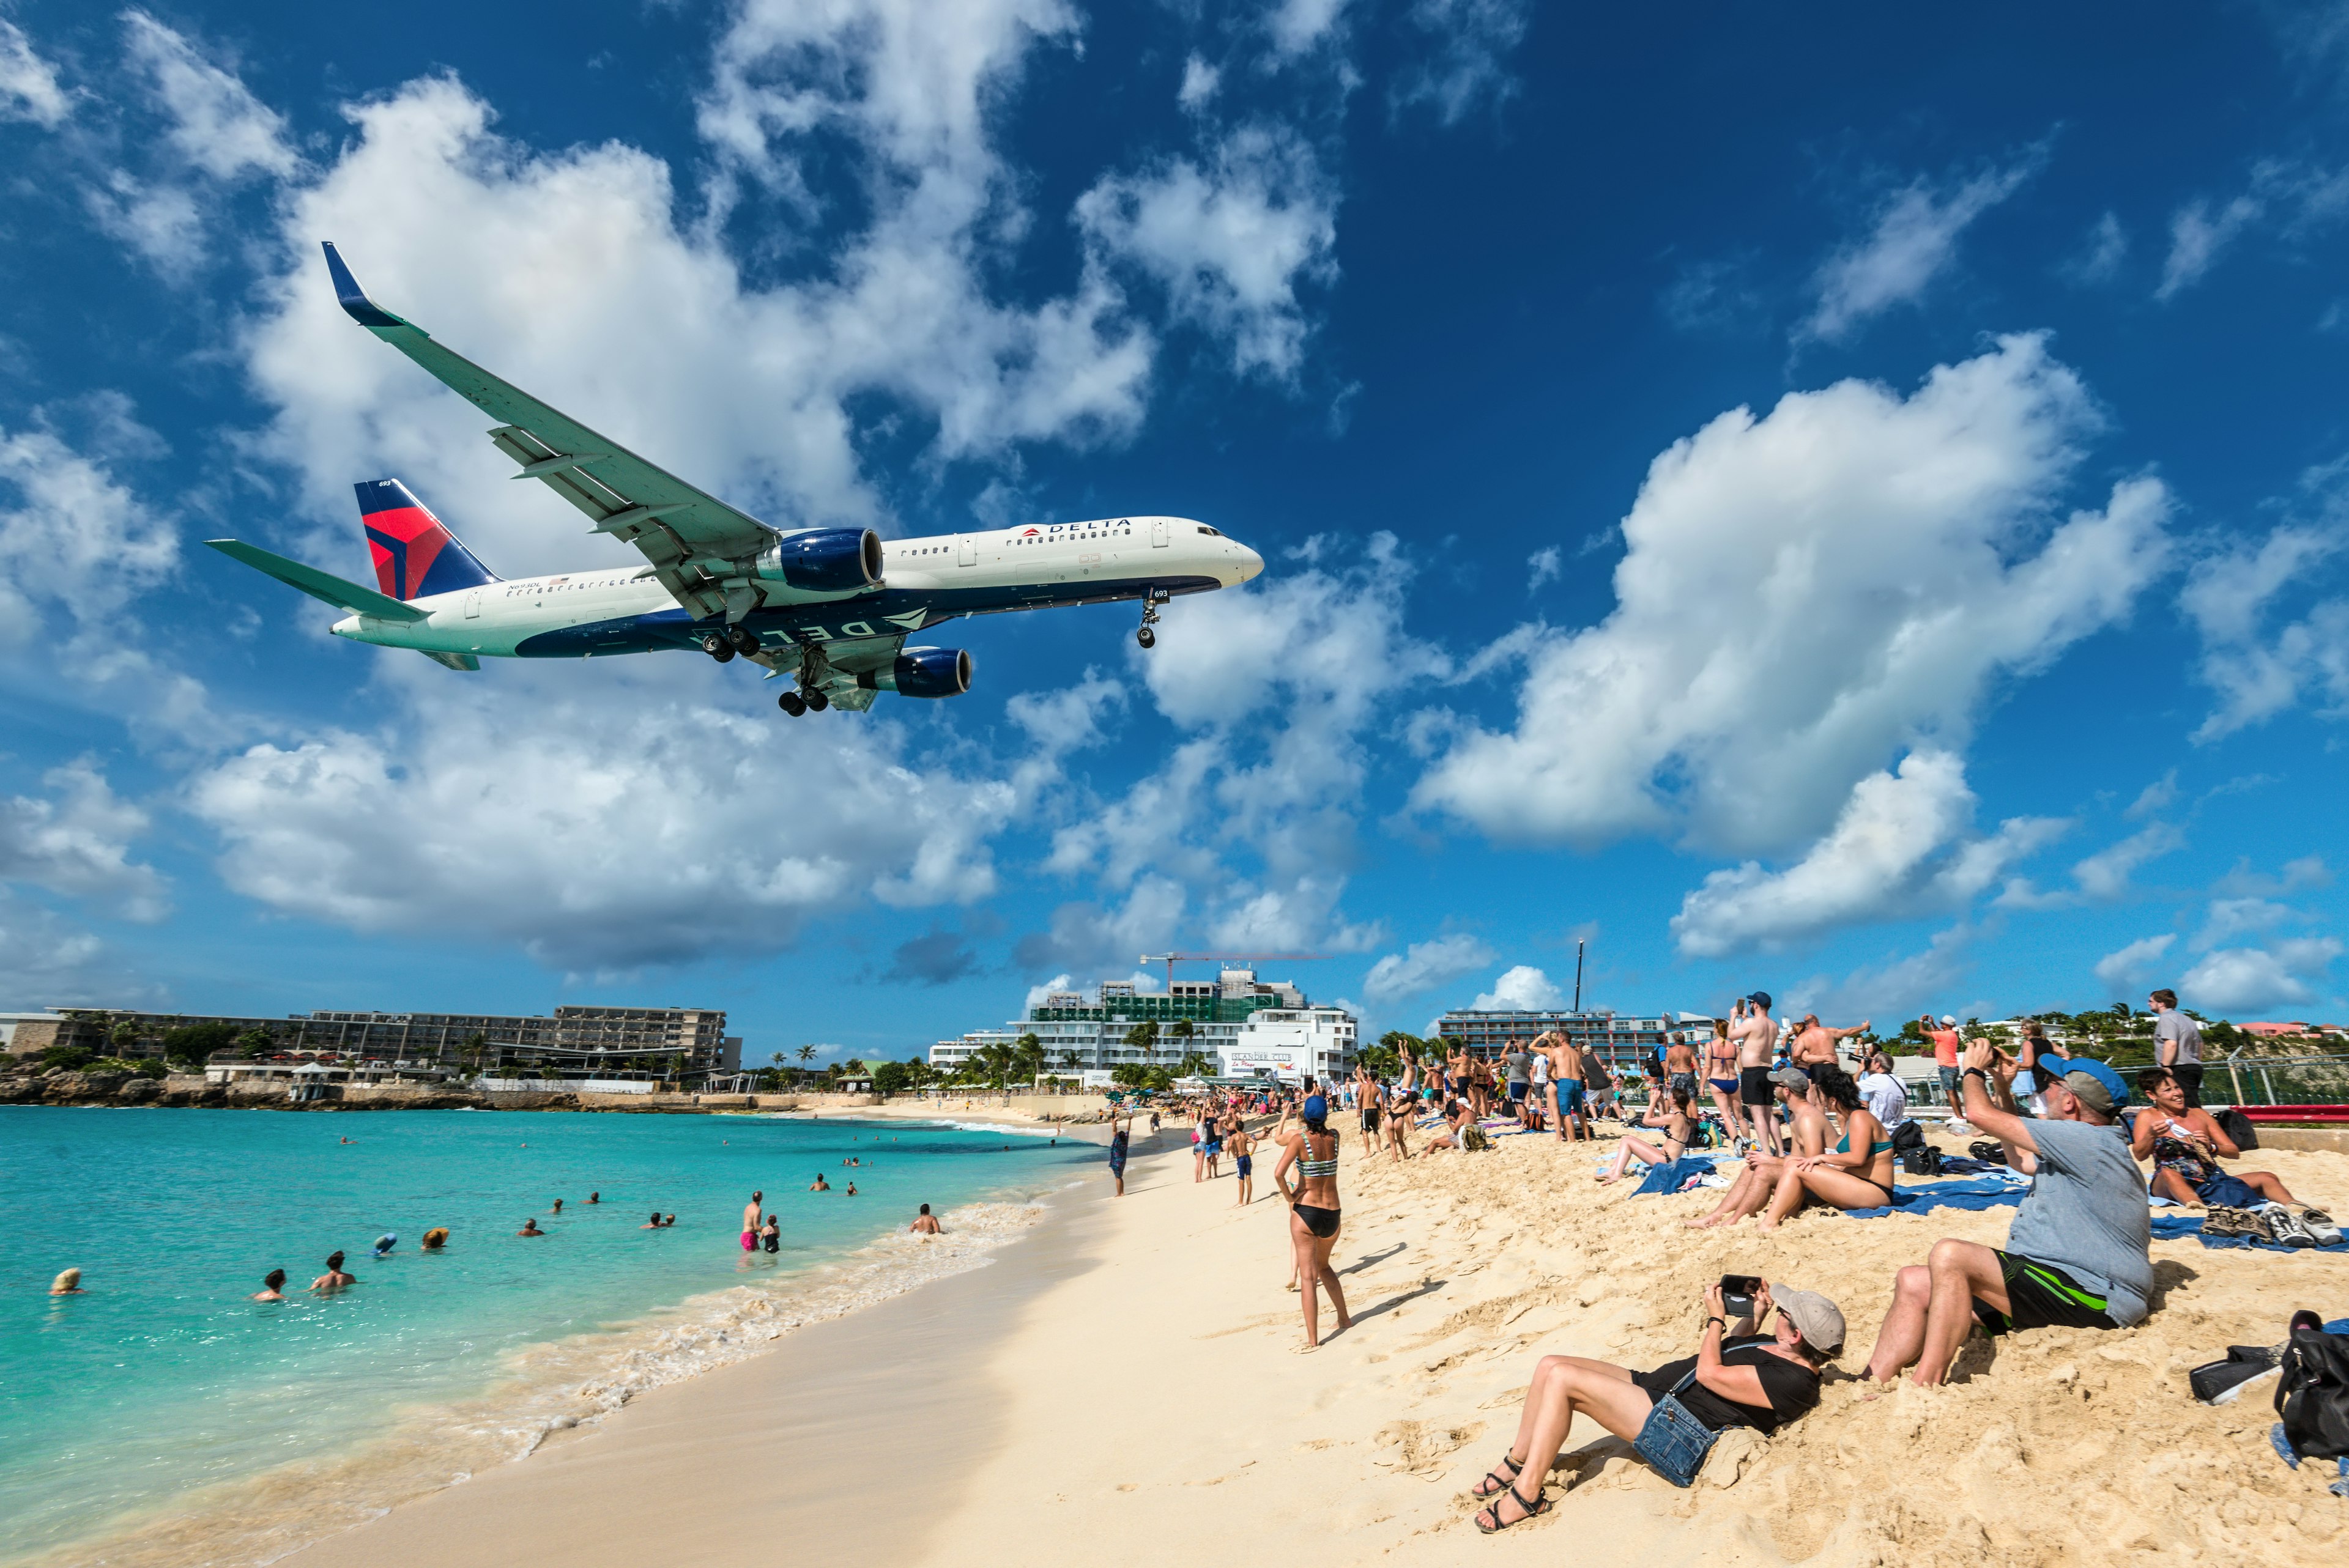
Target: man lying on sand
(2077, 1253)
(1762, 1380)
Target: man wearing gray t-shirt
(2077, 1253)
(2177, 1045)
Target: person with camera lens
(1672, 1415)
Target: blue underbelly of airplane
(890, 612)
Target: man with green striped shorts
(2077, 1255)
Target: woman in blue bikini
(1313, 1215)
(1857, 1173)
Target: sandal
(1495, 1482)
(1533, 1510)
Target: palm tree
(807, 1053)
(1195, 1063)
(1183, 1029)
(1144, 1038)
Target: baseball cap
(1949, 1022)
(1762, 997)
(1792, 1078)
(1316, 1109)
(2098, 1086)
(1820, 1319)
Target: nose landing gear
(1151, 600)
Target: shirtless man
(1680, 1069)
(926, 1223)
(335, 1279)
(1566, 1088)
(1751, 1190)
(1756, 1033)
(1237, 1144)
(1814, 1045)
(752, 1212)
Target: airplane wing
(694, 541)
(326, 585)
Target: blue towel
(1982, 1194)
(2172, 1227)
(1671, 1176)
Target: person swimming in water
(272, 1288)
(851, 1190)
(558, 1205)
(656, 1224)
(436, 1238)
(68, 1283)
(819, 1185)
(333, 1279)
(926, 1223)
(595, 1197)
(530, 1228)
(771, 1235)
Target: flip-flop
(1533, 1510)
(1494, 1475)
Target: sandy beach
(1127, 1381)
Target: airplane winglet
(353, 298)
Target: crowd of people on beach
(2056, 1127)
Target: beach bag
(2238, 1129)
(1674, 1441)
(2312, 1396)
(1475, 1140)
(1922, 1160)
(1908, 1136)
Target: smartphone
(1737, 1294)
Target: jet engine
(824, 560)
(923, 672)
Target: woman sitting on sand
(1763, 1380)
(1313, 1215)
(1807, 1136)
(1673, 1120)
(1857, 1173)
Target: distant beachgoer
(1857, 1173)
(530, 1228)
(595, 1197)
(1762, 1381)
(2177, 1045)
(770, 1235)
(654, 1224)
(751, 1213)
(1807, 1132)
(2186, 1144)
(558, 1205)
(926, 1223)
(436, 1238)
(1721, 1077)
(385, 1243)
(1314, 1214)
(1751, 1027)
(1676, 1125)
(1243, 1163)
(668, 1222)
(333, 1279)
(852, 1188)
(818, 1185)
(346, 1141)
(68, 1283)
(273, 1287)
(1120, 1131)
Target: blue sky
(1833, 501)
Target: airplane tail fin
(415, 555)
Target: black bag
(1988, 1151)
(1922, 1160)
(2238, 1129)
(1908, 1136)
(2312, 1396)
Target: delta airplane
(829, 608)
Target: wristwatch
(1722, 1321)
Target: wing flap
(454, 661)
(336, 591)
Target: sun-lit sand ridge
(1152, 1401)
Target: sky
(1836, 501)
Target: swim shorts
(750, 1241)
(1685, 1083)
(1516, 1091)
(2041, 1295)
(1570, 1096)
(1242, 1165)
(1754, 1086)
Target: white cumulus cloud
(1805, 593)
(1423, 967)
(2256, 671)
(1522, 988)
(216, 123)
(2247, 979)
(76, 841)
(2126, 967)
(73, 536)
(1912, 240)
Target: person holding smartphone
(1762, 1380)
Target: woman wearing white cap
(1671, 1414)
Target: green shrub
(70, 1057)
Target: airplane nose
(1251, 564)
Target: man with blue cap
(2077, 1253)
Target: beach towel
(2177, 1227)
(1981, 1193)
(1673, 1174)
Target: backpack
(2237, 1128)
(1908, 1136)
(2312, 1396)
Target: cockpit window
(1210, 532)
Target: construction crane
(1169, 959)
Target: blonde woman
(68, 1283)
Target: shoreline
(552, 1390)
(1129, 1380)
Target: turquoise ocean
(164, 1418)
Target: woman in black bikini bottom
(1857, 1173)
(1312, 1154)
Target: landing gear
(817, 702)
(741, 639)
(1146, 637)
(716, 645)
(1151, 600)
(791, 702)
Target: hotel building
(1246, 1027)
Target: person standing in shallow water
(1313, 1215)
(271, 1288)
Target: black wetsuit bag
(2312, 1396)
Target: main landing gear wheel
(716, 647)
(1151, 600)
(791, 702)
(741, 639)
(817, 702)
(1146, 637)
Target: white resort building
(1246, 1027)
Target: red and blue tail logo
(415, 555)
